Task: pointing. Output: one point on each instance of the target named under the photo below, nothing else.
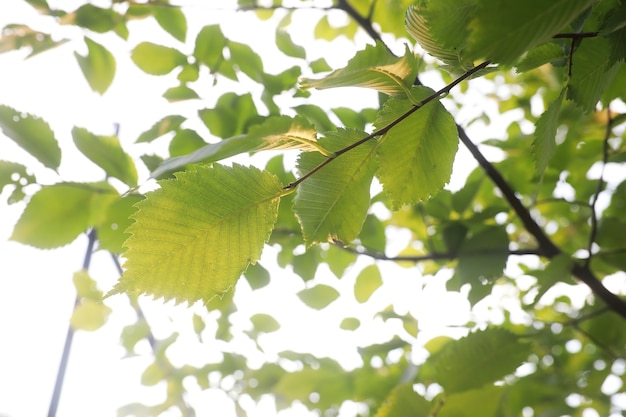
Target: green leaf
(98, 66)
(540, 55)
(180, 93)
(12, 173)
(350, 323)
(89, 315)
(112, 230)
(32, 134)
(246, 60)
(157, 59)
(305, 265)
(231, 116)
(185, 141)
(193, 237)
(93, 18)
(403, 401)
(502, 30)
(332, 204)
(319, 296)
(482, 259)
(286, 45)
(373, 234)
(480, 358)
(160, 128)
(591, 73)
(415, 156)
(57, 214)
(264, 323)
(107, 153)
(339, 259)
(375, 67)
(544, 141)
(368, 281)
(209, 46)
(172, 20)
(257, 276)
(279, 133)
(440, 28)
(486, 401)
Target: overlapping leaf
(195, 235)
(276, 133)
(374, 67)
(333, 203)
(544, 142)
(480, 358)
(416, 156)
(403, 401)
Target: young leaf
(172, 20)
(98, 66)
(480, 358)
(160, 128)
(544, 142)
(193, 237)
(275, 133)
(416, 155)
(332, 204)
(57, 214)
(374, 67)
(156, 59)
(319, 296)
(501, 31)
(368, 281)
(32, 134)
(107, 153)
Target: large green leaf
(502, 30)
(107, 153)
(193, 237)
(374, 67)
(544, 142)
(480, 358)
(57, 214)
(592, 73)
(332, 204)
(157, 59)
(98, 66)
(32, 134)
(416, 155)
(275, 133)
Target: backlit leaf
(89, 315)
(375, 67)
(209, 45)
(350, 323)
(368, 281)
(264, 323)
(403, 401)
(319, 296)
(286, 45)
(416, 155)
(12, 173)
(502, 30)
(544, 142)
(157, 59)
(332, 204)
(172, 20)
(193, 237)
(112, 230)
(107, 153)
(98, 66)
(32, 134)
(231, 116)
(480, 358)
(160, 128)
(276, 133)
(257, 276)
(58, 213)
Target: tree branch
(364, 22)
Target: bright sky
(36, 291)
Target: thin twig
(69, 337)
(580, 35)
(594, 199)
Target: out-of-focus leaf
(264, 323)
(350, 323)
(172, 20)
(368, 281)
(112, 230)
(160, 128)
(257, 276)
(98, 66)
(14, 37)
(319, 296)
(157, 59)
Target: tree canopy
(489, 159)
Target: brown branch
(580, 35)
